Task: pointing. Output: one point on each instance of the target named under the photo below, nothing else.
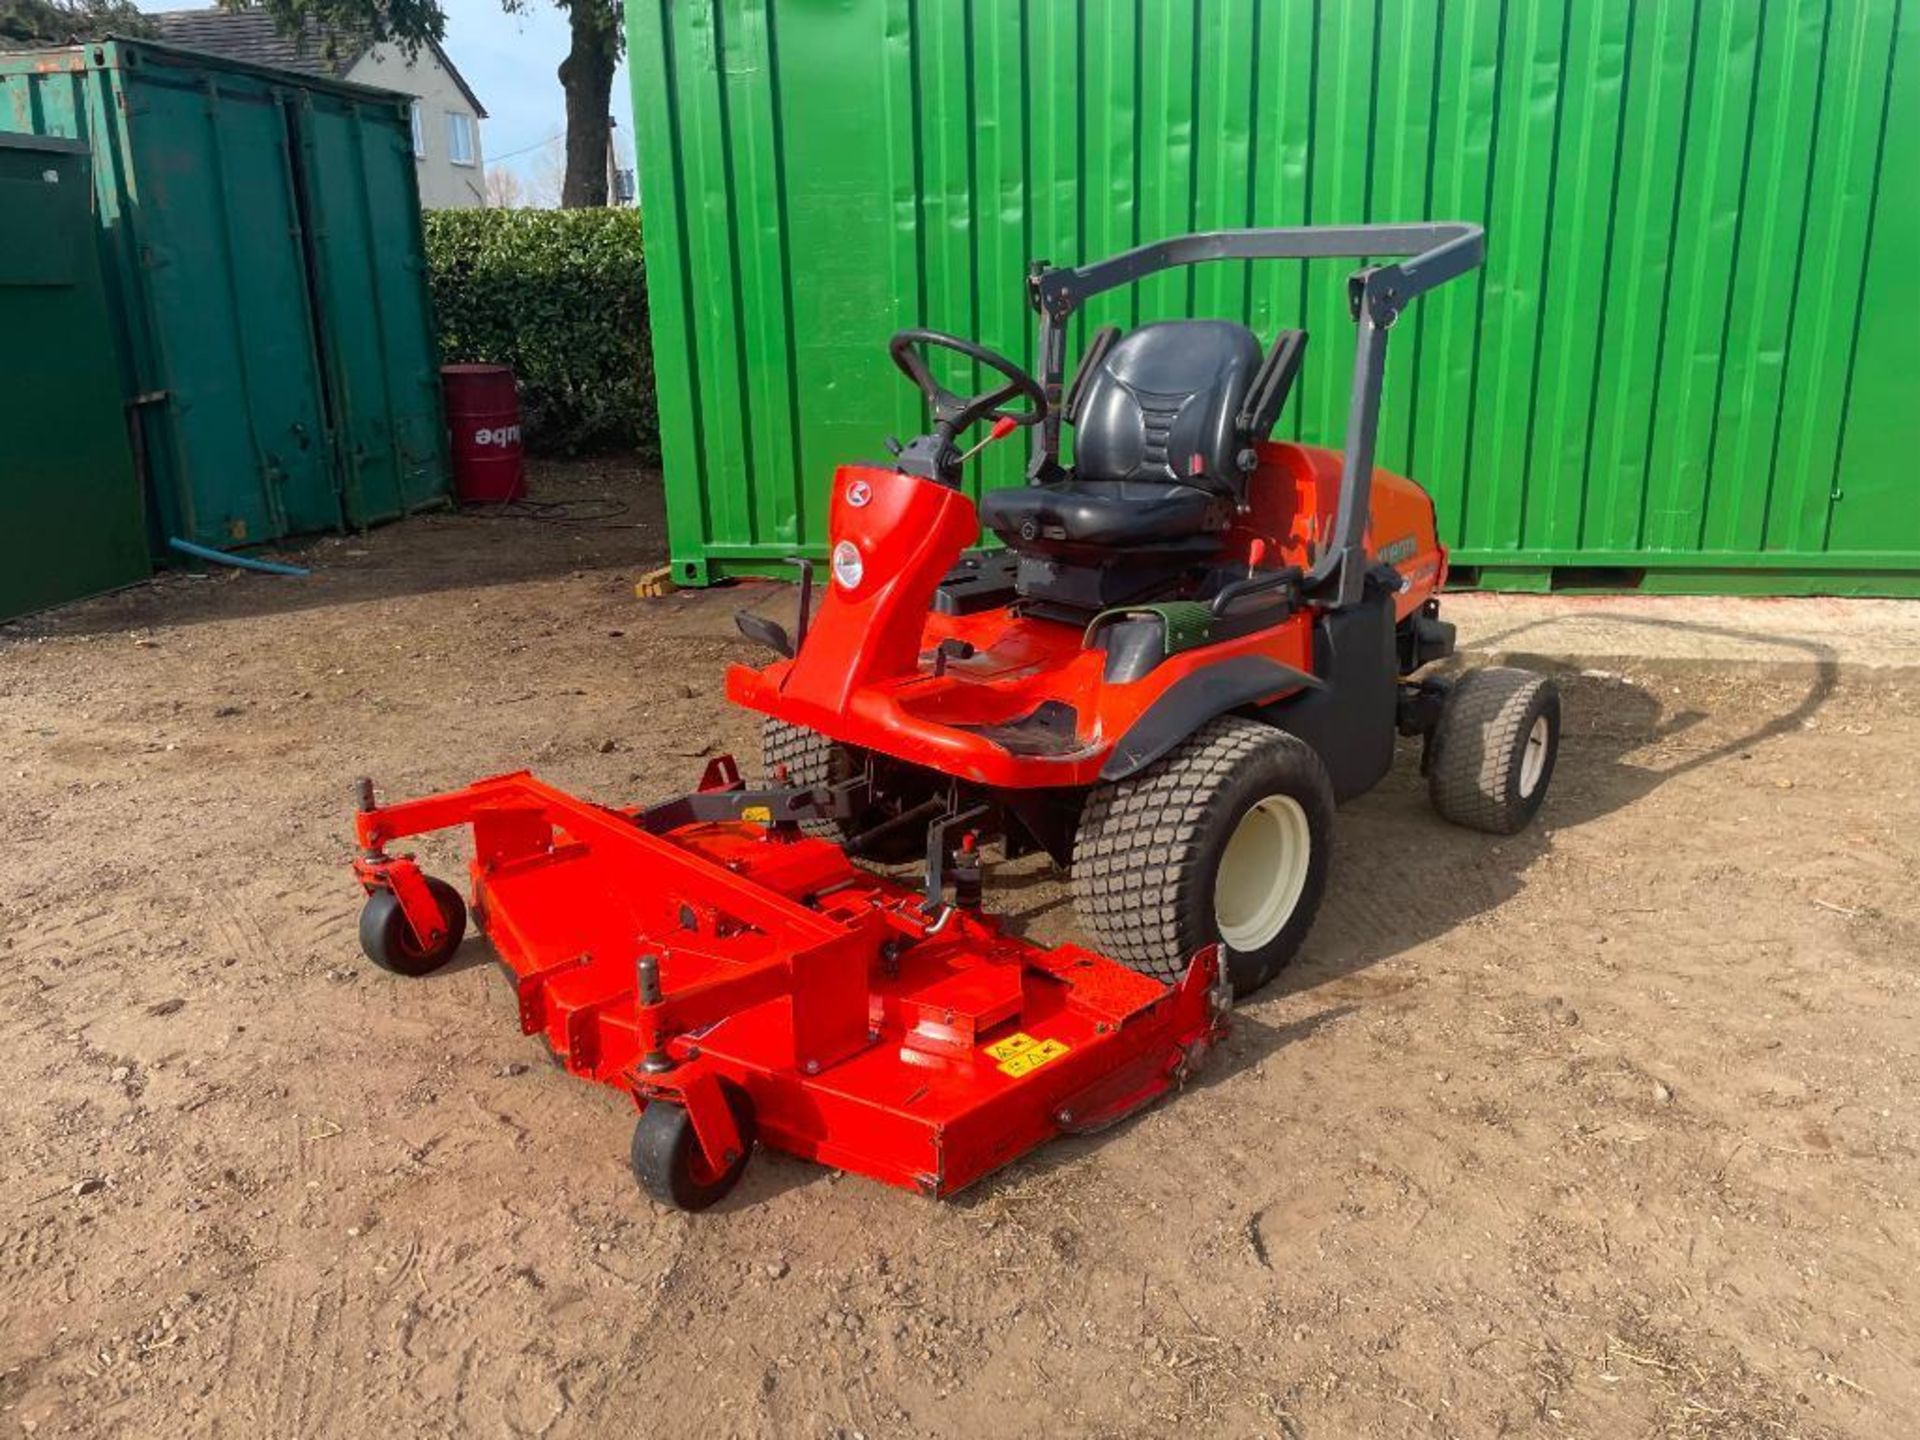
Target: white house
(446, 112)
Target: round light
(847, 566)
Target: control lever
(1002, 428)
(948, 650)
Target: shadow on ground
(584, 515)
(1403, 876)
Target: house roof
(251, 36)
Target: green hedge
(560, 295)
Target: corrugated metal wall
(1693, 351)
(260, 235)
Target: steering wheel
(956, 412)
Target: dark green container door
(371, 292)
(219, 230)
(70, 514)
(1688, 363)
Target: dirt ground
(1605, 1130)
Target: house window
(419, 132)
(460, 145)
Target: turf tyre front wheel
(389, 942)
(1494, 749)
(810, 759)
(1225, 839)
(666, 1155)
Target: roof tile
(253, 37)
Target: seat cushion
(1117, 514)
(1163, 403)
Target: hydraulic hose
(239, 562)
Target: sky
(509, 61)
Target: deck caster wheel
(1225, 839)
(667, 1160)
(388, 939)
(1494, 748)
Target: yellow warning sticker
(1021, 1054)
(756, 814)
(1006, 1049)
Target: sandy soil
(1606, 1130)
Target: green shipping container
(261, 237)
(1688, 365)
(70, 513)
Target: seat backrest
(1162, 396)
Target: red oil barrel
(483, 419)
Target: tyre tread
(1471, 783)
(1126, 879)
(808, 756)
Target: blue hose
(239, 562)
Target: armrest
(1272, 383)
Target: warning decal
(1020, 1054)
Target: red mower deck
(741, 979)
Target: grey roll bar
(1376, 294)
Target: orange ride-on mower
(1195, 642)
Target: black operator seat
(1161, 421)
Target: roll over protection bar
(1426, 255)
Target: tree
(586, 75)
(503, 189)
(25, 24)
(407, 23)
(549, 179)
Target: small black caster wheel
(388, 939)
(667, 1160)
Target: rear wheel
(1494, 748)
(1225, 839)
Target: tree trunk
(587, 77)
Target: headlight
(847, 566)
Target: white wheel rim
(1262, 872)
(1533, 759)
